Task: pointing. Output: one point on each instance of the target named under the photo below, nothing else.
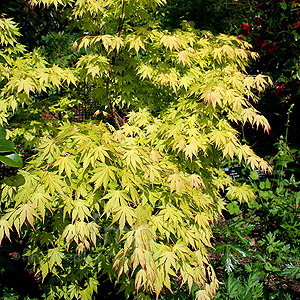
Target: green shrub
(257, 244)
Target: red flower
(297, 24)
(246, 27)
(270, 48)
(279, 89)
(257, 22)
(240, 37)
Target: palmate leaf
(54, 183)
(172, 215)
(42, 201)
(218, 54)
(135, 42)
(202, 295)
(100, 152)
(169, 260)
(27, 85)
(92, 284)
(219, 137)
(191, 150)
(196, 181)
(118, 43)
(153, 172)
(140, 279)
(182, 57)
(170, 42)
(54, 257)
(80, 210)
(229, 150)
(103, 175)
(248, 115)
(69, 77)
(186, 82)
(133, 191)
(4, 229)
(260, 82)
(145, 71)
(253, 161)
(176, 183)
(66, 164)
(116, 198)
(243, 152)
(260, 120)
(228, 50)
(212, 97)
(243, 192)
(49, 147)
(107, 42)
(124, 214)
(27, 212)
(133, 159)
(86, 294)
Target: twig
(118, 120)
(34, 13)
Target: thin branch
(100, 29)
(113, 111)
(34, 13)
(118, 120)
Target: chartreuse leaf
(116, 198)
(4, 229)
(66, 164)
(202, 295)
(124, 214)
(80, 210)
(27, 212)
(176, 183)
(54, 257)
(169, 259)
(132, 158)
(54, 183)
(241, 192)
(103, 175)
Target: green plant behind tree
(133, 198)
(260, 239)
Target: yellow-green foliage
(23, 73)
(133, 200)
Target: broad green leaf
(12, 160)
(6, 146)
